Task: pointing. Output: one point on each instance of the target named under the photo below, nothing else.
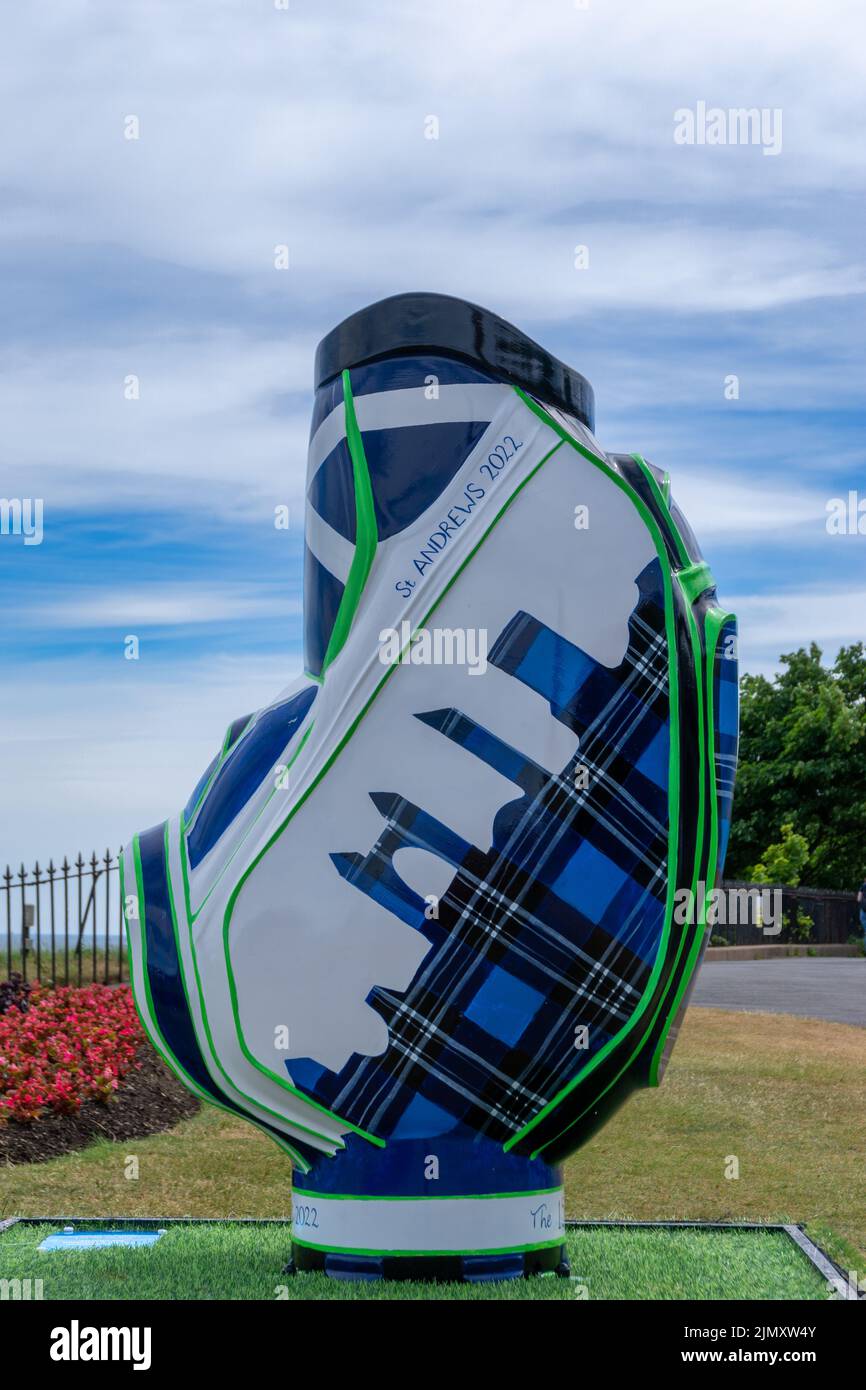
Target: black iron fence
(760, 914)
(64, 926)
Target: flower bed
(75, 1065)
(61, 1047)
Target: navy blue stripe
(402, 373)
(468, 1165)
(410, 467)
(322, 594)
(164, 974)
(327, 399)
(199, 787)
(235, 730)
(332, 491)
(244, 770)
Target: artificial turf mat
(225, 1260)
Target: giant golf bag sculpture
(419, 919)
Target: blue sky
(305, 126)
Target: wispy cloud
(167, 605)
(259, 127)
(831, 615)
(89, 759)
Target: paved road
(833, 988)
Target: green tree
(803, 765)
(782, 862)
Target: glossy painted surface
(417, 914)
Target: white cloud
(770, 624)
(90, 757)
(260, 127)
(306, 126)
(159, 605)
(740, 508)
(206, 411)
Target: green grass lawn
(94, 966)
(245, 1262)
(785, 1096)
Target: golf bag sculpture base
(431, 916)
(425, 1208)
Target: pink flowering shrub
(70, 1045)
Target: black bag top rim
(421, 322)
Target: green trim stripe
(423, 1197)
(699, 656)
(359, 572)
(713, 624)
(366, 533)
(695, 580)
(251, 1100)
(662, 496)
(222, 757)
(493, 1250)
(152, 1029)
(672, 880)
(296, 1157)
(184, 826)
(266, 1071)
(673, 776)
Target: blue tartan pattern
(552, 929)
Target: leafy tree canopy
(784, 862)
(803, 771)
